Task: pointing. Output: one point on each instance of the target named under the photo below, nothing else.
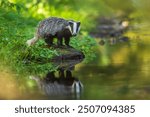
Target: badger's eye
(71, 24)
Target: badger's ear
(78, 23)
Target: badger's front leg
(59, 41)
(67, 40)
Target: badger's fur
(54, 27)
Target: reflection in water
(60, 84)
(56, 84)
(63, 86)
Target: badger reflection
(60, 84)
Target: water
(119, 71)
(124, 75)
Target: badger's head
(74, 27)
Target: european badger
(54, 27)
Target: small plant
(85, 43)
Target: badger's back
(51, 26)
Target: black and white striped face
(74, 27)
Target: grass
(16, 29)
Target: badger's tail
(33, 40)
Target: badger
(54, 27)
